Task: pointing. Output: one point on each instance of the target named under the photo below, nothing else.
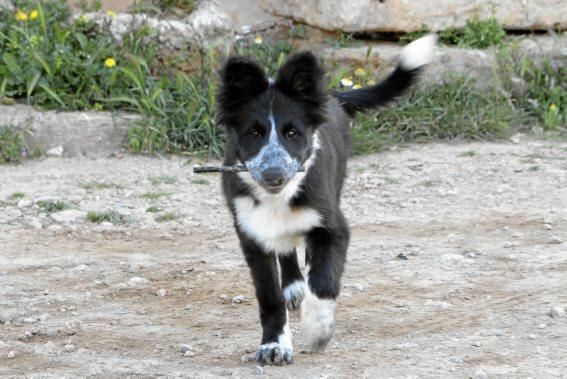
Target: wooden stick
(205, 169)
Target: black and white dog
(275, 128)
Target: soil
(457, 258)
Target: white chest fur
(271, 222)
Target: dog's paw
(294, 294)
(317, 321)
(274, 353)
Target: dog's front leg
(325, 258)
(276, 345)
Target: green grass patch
(16, 196)
(53, 206)
(153, 209)
(455, 109)
(162, 179)
(107, 216)
(469, 153)
(153, 195)
(13, 148)
(167, 217)
(96, 185)
(200, 181)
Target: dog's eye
(290, 134)
(255, 133)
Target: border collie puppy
(293, 135)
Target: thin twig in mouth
(205, 169)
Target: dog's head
(271, 123)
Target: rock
(556, 240)
(210, 23)
(55, 152)
(250, 357)
(6, 4)
(547, 227)
(43, 317)
(258, 370)
(25, 203)
(142, 311)
(409, 16)
(479, 374)
(161, 292)
(29, 320)
(81, 267)
(70, 216)
(557, 312)
(189, 353)
(223, 296)
(11, 354)
(35, 223)
(185, 347)
(69, 347)
(104, 226)
(238, 299)
(136, 281)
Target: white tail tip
(419, 52)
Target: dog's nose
(273, 176)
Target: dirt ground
(457, 258)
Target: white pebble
(185, 347)
(555, 240)
(223, 296)
(136, 280)
(161, 292)
(238, 299)
(69, 347)
(29, 320)
(557, 312)
(479, 374)
(547, 226)
(11, 354)
(189, 353)
(25, 203)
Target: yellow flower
(109, 62)
(346, 82)
(371, 82)
(21, 16)
(110, 13)
(553, 107)
(356, 86)
(34, 14)
(359, 72)
(258, 40)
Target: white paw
(317, 321)
(294, 294)
(274, 353)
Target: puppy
(293, 135)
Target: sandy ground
(457, 257)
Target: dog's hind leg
(293, 284)
(325, 258)
(276, 347)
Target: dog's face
(270, 124)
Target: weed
(107, 216)
(153, 209)
(166, 217)
(95, 185)
(12, 146)
(52, 206)
(16, 196)
(469, 153)
(455, 109)
(163, 179)
(153, 195)
(200, 181)
(534, 168)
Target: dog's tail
(413, 59)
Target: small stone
(55, 152)
(542, 326)
(532, 336)
(29, 320)
(113, 322)
(161, 292)
(189, 353)
(359, 287)
(238, 299)
(547, 227)
(185, 347)
(258, 370)
(250, 357)
(223, 296)
(69, 347)
(43, 316)
(508, 245)
(136, 280)
(142, 311)
(479, 374)
(517, 235)
(555, 240)
(80, 268)
(69, 216)
(557, 312)
(11, 354)
(25, 203)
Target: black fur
(298, 99)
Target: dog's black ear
(241, 80)
(300, 76)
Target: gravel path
(457, 267)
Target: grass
(12, 146)
(153, 209)
(96, 185)
(163, 179)
(153, 195)
(455, 109)
(53, 206)
(107, 216)
(469, 153)
(16, 196)
(200, 181)
(167, 217)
